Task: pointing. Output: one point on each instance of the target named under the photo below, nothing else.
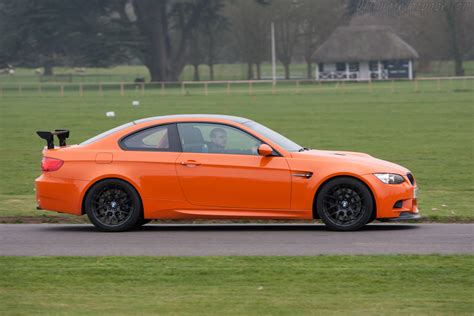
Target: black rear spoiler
(62, 135)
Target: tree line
(166, 35)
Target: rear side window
(158, 138)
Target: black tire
(113, 205)
(344, 204)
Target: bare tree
(455, 22)
(214, 27)
(286, 16)
(196, 53)
(167, 27)
(206, 37)
(250, 29)
(317, 20)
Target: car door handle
(190, 163)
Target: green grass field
(326, 285)
(425, 127)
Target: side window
(354, 67)
(216, 138)
(340, 66)
(157, 138)
(373, 65)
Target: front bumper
(404, 216)
(394, 201)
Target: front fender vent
(411, 178)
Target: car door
(220, 167)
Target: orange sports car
(216, 167)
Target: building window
(374, 65)
(340, 66)
(353, 67)
(320, 67)
(397, 68)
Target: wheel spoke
(343, 204)
(112, 206)
(331, 204)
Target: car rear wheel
(113, 205)
(344, 204)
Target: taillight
(51, 164)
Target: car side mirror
(265, 150)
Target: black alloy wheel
(113, 205)
(344, 204)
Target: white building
(364, 53)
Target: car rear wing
(62, 135)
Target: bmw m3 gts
(216, 167)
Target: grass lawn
(370, 285)
(221, 71)
(428, 131)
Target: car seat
(192, 139)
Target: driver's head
(219, 137)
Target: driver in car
(219, 141)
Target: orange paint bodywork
(178, 185)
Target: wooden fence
(229, 88)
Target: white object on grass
(135, 103)
(110, 114)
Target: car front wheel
(113, 205)
(344, 204)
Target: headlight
(389, 178)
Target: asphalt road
(244, 239)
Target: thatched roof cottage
(364, 53)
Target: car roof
(235, 119)
(190, 116)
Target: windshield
(278, 139)
(109, 132)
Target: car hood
(370, 164)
